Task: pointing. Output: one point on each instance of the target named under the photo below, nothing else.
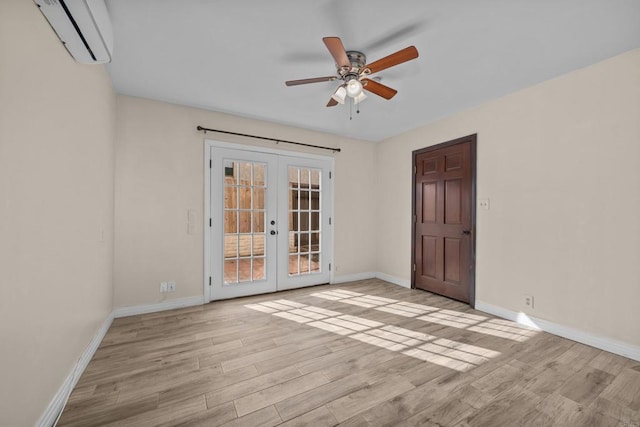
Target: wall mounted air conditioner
(83, 26)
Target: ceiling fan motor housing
(358, 60)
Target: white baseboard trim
(353, 277)
(59, 400)
(161, 306)
(611, 345)
(393, 279)
(371, 275)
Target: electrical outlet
(171, 286)
(528, 301)
(484, 204)
(163, 286)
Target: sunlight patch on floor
(451, 354)
(456, 319)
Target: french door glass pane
(304, 220)
(244, 221)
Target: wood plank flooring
(357, 354)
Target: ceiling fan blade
(378, 88)
(332, 102)
(314, 80)
(404, 55)
(334, 44)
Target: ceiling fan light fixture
(354, 88)
(358, 99)
(340, 95)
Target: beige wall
(560, 163)
(160, 175)
(57, 126)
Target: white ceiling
(234, 56)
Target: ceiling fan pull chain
(350, 108)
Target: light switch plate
(484, 204)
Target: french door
(270, 222)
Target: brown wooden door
(443, 236)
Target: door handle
(465, 231)
(273, 232)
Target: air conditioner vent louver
(83, 26)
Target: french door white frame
(207, 230)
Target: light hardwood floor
(364, 353)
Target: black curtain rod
(205, 130)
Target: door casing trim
(473, 139)
(206, 231)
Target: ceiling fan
(353, 70)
